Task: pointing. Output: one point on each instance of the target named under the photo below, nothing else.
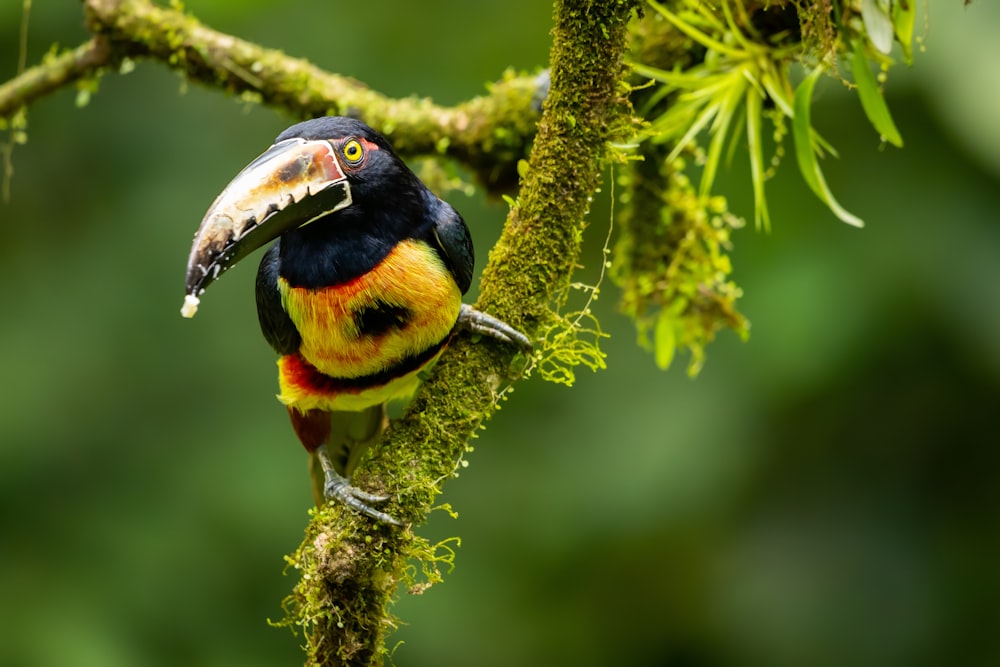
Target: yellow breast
(405, 305)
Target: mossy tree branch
(61, 71)
(360, 564)
(488, 133)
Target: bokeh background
(824, 494)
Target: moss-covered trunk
(351, 567)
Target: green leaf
(704, 118)
(871, 98)
(664, 340)
(755, 111)
(805, 153)
(720, 130)
(904, 13)
(693, 32)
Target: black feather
(452, 241)
(379, 318)
(277, 327)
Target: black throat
(348, 244)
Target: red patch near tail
(300, 373)
(312, 427)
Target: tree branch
(466, 132)
(350, 566)
(63, 70)
(488, 134)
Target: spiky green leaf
(758, 170)
(871, 98)
(805, 152)
(904, 13)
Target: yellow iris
(353, 151)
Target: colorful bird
(361, 291)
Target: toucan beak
(291, 184)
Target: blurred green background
(824, 494)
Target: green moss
(567, 342)
(671, 261)
(347, 575)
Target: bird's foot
(479, 322)
(339, 488)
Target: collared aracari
(360, 292)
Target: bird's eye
(353, 151)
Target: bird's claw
(338, 488)
(479, 322)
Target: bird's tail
(351, 434)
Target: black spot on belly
(381, 317)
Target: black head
(333, 127)
(372, 168)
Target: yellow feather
(411, 277)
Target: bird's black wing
(276, 325)
(454, 243)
